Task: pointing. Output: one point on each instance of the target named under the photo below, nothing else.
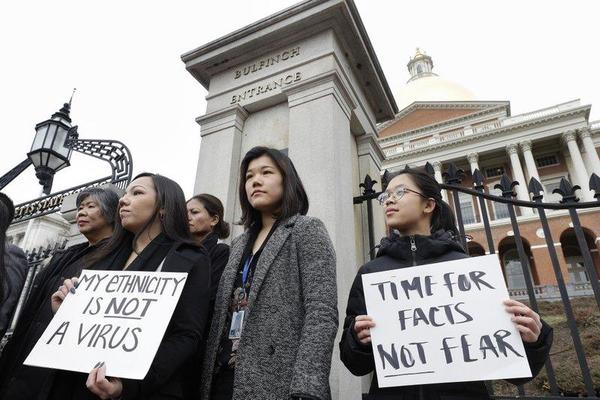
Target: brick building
(440, 122)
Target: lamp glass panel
(39, 137)
(59, 142)
(44, 156)
(54, 162)
(51, 132)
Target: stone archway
(511, 263)
(573, 257)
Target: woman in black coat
(427, 234)
(96, 213)
(207, 226)
(152, 235)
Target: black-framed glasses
(398, 193)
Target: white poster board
(443, 322)
(118, 317)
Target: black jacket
(15, 267)
(15, 378)
(219, 255)
(396, 253)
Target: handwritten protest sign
(443, 322)
(118, 317)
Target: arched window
(419, 69)
(515, 279)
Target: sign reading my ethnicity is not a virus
(118, 317)
(443, 322)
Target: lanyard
(246, 270)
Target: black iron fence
(35, 262)
(570, 202)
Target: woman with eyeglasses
(424, 232)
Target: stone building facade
(444, 124)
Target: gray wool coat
(292, 321)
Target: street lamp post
(49, 153)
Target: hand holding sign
(527, 321)
(102, 386)
(57, 298)
(362, 327)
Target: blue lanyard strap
(246, 270)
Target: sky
(124, 59)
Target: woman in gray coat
(275, 315)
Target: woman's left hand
(526, 320)
(102, 386)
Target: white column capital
(437, 166)
(473, 158)
(512, 149)
(569, 136)
(526, 145)
(584, 133)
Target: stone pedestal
(305, 80)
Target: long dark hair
(173, 223)
(442, 217)
(214, 208)
(294, 201)
(7, 213)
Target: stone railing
(595, 125)
(551, 292)
(467, 131)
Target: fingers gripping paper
(118, 317)
(443, 322)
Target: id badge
(237, 324)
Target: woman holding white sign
(424, 233)
(275, 315)
(152, 235)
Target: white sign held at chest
(442, 323)
(118, 317)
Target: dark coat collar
(427, 247)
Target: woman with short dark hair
(95, 218)
(275, 315)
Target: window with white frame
(500, 209)
(550, 184)
(466, 208)
(492, 172)
(547, 160)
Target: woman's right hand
(57, 298)
(362, 327)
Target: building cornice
(492, 132)
(446, 105)
(423, 131)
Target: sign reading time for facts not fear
(118, 317)
(443, 322)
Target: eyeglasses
(398, 193)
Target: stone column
(530, 161)
(473, 159)
(219, 158)
(515, 163)
(321, 145)
(581, 177)
(437, 167)
(590, 150)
